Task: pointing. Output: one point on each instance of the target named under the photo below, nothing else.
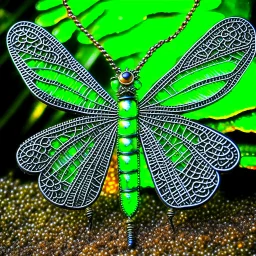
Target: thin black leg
(170, 214)
(89, 215)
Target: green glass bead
(128, 163)
(115, 85)
(127, 108)
(137, 84)
(127, 127)
(128, 181)
(129, 202)
(127, 144)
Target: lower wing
(183, 157)
(72, 159)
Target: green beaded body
(128, 153)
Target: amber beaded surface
(30, 225)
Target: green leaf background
(127, 29)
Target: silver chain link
(149, 52)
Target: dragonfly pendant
(183, 157)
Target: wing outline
(168, 92)
(31, 45)
(74, 173)
(179, 162)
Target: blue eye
(126, 78)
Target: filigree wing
(208, 71)
(72, 159)
(53, 75)
(183, 157)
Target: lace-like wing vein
(183, 158)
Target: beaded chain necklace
(149, 52)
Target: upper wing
(183, 157)
(208, 71)
(72, 158)
(53, 75)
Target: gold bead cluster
(30, 225)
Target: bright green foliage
(126, 45)
(248, 161)
(245, 123)
(42, 5)
(248, 156)
(59, 12)
(53, 17)
(68, 28)
(111, 16)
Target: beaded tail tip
(170, 214)
(130, 233)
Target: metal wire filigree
(182, 156)
(72, 158)
(231, 41)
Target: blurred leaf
(52, 17)
(118, 15)
(65, 29)
(244, 123)
(42, 5)
(36, 113)
(137, 40)
(57, 12)
(8, 18)
(241, 98)
(64, 34)
(13, 107)
(248, 156)
(236, 8)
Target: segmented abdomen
(128, 156)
